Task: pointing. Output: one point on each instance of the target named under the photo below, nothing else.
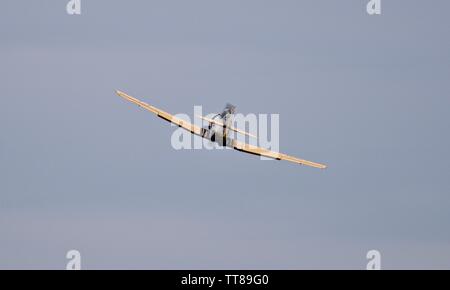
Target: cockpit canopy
(229, 109)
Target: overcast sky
(80, 168)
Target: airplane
(218, 131)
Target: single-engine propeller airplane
(217, 131)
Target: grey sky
(80, 168)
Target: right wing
(164, 115)
(247, 148)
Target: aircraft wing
(247, 148)
(164, 115)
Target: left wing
(247, 148)
(164, 115)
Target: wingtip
(322, 166)
(123, 95)
(316, 165)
